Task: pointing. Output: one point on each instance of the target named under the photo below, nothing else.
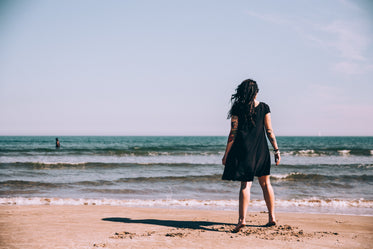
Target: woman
(247, 153)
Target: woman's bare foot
(238, 227)
(270, 224)
(241, 224)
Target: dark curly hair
(243, 104)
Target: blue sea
(316, 175)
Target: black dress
(249, 154)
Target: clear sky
(169, 67)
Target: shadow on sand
(201, 225)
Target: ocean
(317, 174)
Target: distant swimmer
(57, 143)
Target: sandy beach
(122, 227)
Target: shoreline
(307, 206)
(99, 226)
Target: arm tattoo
(269, 132)
(271, 137)
(233, 133)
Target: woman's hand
(224, 160)
(277, 158)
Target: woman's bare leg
(244, 200)
(269, 198)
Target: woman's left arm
(271, 136)
(231, 137)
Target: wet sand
(122, 227)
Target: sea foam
(310, 204)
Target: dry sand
(123, 227)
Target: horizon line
(163, 135)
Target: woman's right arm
(271, 137)
(231, 137)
